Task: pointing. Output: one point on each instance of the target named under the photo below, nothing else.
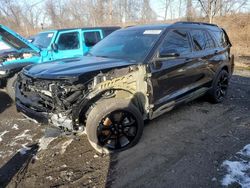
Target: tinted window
(221, 38)
(209, 41)
(91, 38)
(69, 41)
(43, 39)
(198, 38)
(176, 41)
(201, 40)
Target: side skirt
(170, 105)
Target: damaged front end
(65, 102)
(49, 101)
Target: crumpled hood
(72, 67)
(16, 41)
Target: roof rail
(198, 23)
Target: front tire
(10, 87)
(218, 91)
(114, 125)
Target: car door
(68, 45)
(173, 76)
(206, 53)
(90, 38)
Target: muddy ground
(183, 148)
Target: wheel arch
(137, 98)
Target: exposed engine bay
(13, 55)
(66, 101)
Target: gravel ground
(183, 148)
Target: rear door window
(209, 41)
(69, 41)
(91, 38)
(198, 38)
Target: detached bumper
(41, 117)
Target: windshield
(132, 45)
(43, 40)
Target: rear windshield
(43, 40)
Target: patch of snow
(44, 142)
(64, 166)
(49, 178)
(24, 136)
(238, 169)
(65, 145)
(245, 151)
(24, 149)
(4, 154)
(15, 126)
(96, 156)
(12, 144)
(30, 119)
(2, 134)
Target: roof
(175, 25)
(84, 28)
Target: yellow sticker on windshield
(152, 32)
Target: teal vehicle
(45, 47)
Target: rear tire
(114, 125)
(10, 87)
(218, 91)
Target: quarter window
(91, 38)
(221, 38)
(69, 41)
(176, 41)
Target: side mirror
(164, 55)
(168, 53)
(54, 47)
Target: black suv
(134, 74)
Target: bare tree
(189, 10)
(211, 8)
